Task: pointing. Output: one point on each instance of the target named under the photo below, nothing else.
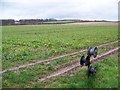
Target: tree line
(41, 21)
(24, 21)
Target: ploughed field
(24, 44)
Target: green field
(106, 77)
(23, 44)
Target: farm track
(76, 66)
(51, 59)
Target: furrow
(51, 59)
(76, 65)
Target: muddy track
(76, 65)
(34, 62)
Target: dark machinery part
(91, 70)
(85, 60)
(92, 51)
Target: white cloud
(81, 9)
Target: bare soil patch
(94, 24)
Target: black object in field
(85, 60)
(91, 70)
(92, 51)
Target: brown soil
(94, 24)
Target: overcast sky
(59, 9)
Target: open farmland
(25, 44)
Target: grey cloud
(82, 9)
